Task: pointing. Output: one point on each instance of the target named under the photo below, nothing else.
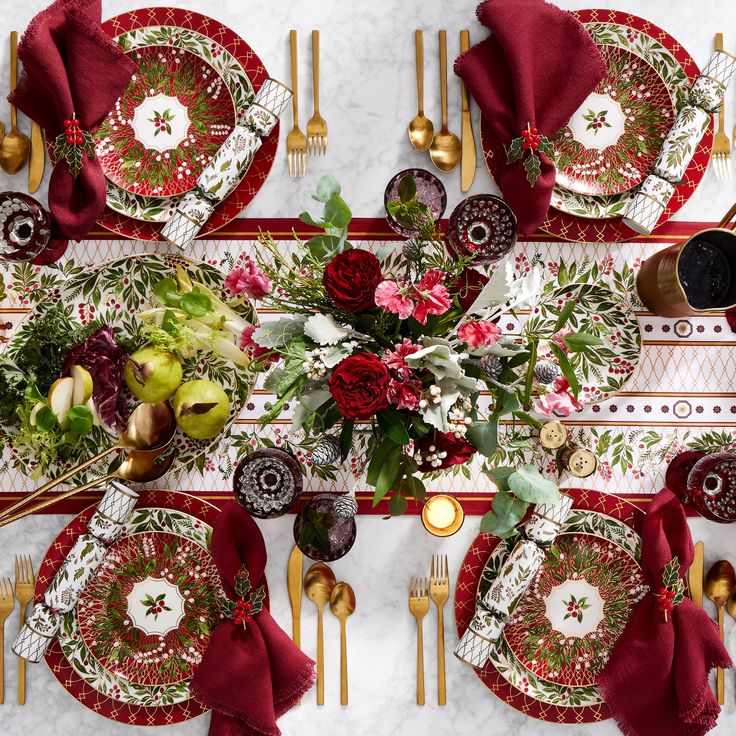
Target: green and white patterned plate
(601, 370)
(113, 293)
(160, 209)
(675, 80)
(503, 658)
(144, 520)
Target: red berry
(67, 123)
(525, 145)
(534, 131)
(69, 139)
(75, 122)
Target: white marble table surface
(368, 96)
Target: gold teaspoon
(318, 584)
(421, 130)
(446, 147)
(15, 146)
(342, 604)
(719, 582)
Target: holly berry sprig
(248, 604)
(531, 144)
(72, 145)
(672, 591)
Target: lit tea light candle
(442, 515)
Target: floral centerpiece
(404, 344)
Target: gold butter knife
(467, 164)
(38, 158)
(294, 585)
(695, 574)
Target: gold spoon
(446, 147)
(15, 146)
(138, 467)
(150, 428)
(421, 130)
(719, 582)
(318, 584)
(342, 605)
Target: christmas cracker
(61, 596)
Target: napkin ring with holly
(530, 144)
(672, 591)
(248, 603)
(72, 145)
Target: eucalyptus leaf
(500, 476)
(484, 436)
(529, 485)
(506, 513)
(327, 187)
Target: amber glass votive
(442, 515)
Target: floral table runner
(682, 395)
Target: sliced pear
(60, 397)
(82, 385)
(34, 413)
(90, 404)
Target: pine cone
(345, 506)
(490, 366)
(546, 371)
(326, 451)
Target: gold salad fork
(316, 127)
(25, 583)
(419, 607)
(439, 592)
(296, 141)
(721, 147)
(7, 604)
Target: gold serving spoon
(421, 130)
(15, 146)
(719, 582)
(138, 467)
(318, 584)
(342, 605)
(446, 148)
(150, 428)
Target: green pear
(201, 409)
(152, 374)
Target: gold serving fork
(316, 127)
(419, 607)
(439, 592)
(296, 141)
(721, 146)
(25, 584)
(7, 604)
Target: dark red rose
(450, 450)
(359, 385)
(350, 279)
(468, 286)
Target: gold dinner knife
(38, 158)
(467, 163)
(294, 584)
(695, 575)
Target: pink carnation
(557, 339)
(248, 280)
(560, 402)
(389, 296)
(479, 333)
(396, 359)
(431, 295)
(404, 394)
(256, 351)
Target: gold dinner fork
(439, 592)
(419, 607)
(7, 604)
(296, 141)
(25, 583)
(721, 147)
(316, 127)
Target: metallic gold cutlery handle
(315, 69)
(296, 631)
(2, 663)
(294, 79)
(443, 76)
(13, 76)
(420, 71)
(320, 660)
(720, 691)
(722, 106)
(441, 689)
(22, 666)
(343, 663)
(420, 664)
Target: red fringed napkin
(537, 68)
(656, 682)
(70, 66)
(249, 677)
